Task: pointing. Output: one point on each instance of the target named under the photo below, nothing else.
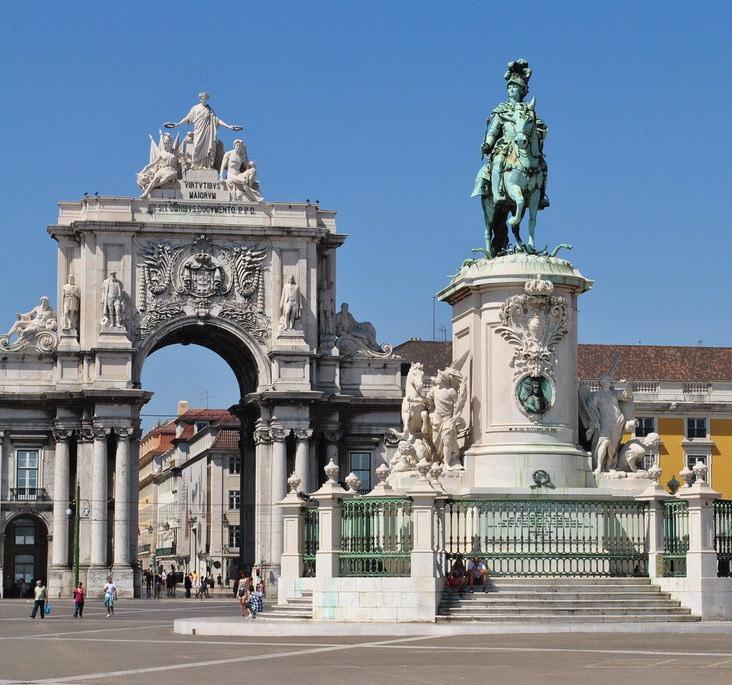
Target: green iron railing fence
(310, 543)
(376, 536)
(535, 537)
(675, 538)
(723, 536)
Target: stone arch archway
(25, 553)
(234, 345)
(252, 370)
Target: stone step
(568, 580)
(540, 587)
(292, 615)
(540, 603)
(568, 618)
(599, 610)
(518, 595)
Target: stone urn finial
(382, 473)
(331, 470)
(293, 483)
(353, 482)
(700, 471)
(687, 475)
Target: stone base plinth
(60, 582)
(96, 579)
(515, 317)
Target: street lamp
(191, 522)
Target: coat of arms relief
(201, 278)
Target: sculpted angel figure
(205, 127)
(164, 165)
(606, 413)
(446, 400)
(240, 173)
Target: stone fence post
(701, 558)
(655, 495)
(327, 558)
(293, 523)
(424, 561)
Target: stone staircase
(563, 600)
(296, 609)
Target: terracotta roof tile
(637, 362)
(227, 440)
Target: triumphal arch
(198, 257)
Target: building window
(234, 499)
(234, 536)
(27, 474)
(696, 428)
(25, 568)
(691, 459)
(25, 532)
(199, 426)
(646, 425)
(361, 467)
(649, 460)
(234, 466)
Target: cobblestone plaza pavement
(138, 646)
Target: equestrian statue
(513, 177)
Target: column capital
(303, 434)
(85, 434)
(61, 433)
(277, 432)
(124, 433)
(100, 431)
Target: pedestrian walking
(110, 595)
(243, 597)
(79, 595)
(188, 584)
(40, 599)
(148, 582)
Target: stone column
(262, 518)
(328, 496)
(99, 497)
(278, 488)
(122, 498)
(60, 549)
(302, 456)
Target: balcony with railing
(29, 495)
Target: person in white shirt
(477, 569)
(110, 595)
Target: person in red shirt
(79, 595)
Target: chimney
(183, 407)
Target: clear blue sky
(377, 109)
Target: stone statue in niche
(164, 166)
(535, 394)
(356, 338)
(240, 173)
(112, 302)
(34, 328)
(634, 451)
(202, 152)
(71, 302)
(290, 305)
(605, 414)
(326, 309)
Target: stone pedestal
(516, 319)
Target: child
(255, 602)
(79, 594)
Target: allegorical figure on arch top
(240, 173)
(205, 128)
(513, 177)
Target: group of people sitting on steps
(462, 576)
